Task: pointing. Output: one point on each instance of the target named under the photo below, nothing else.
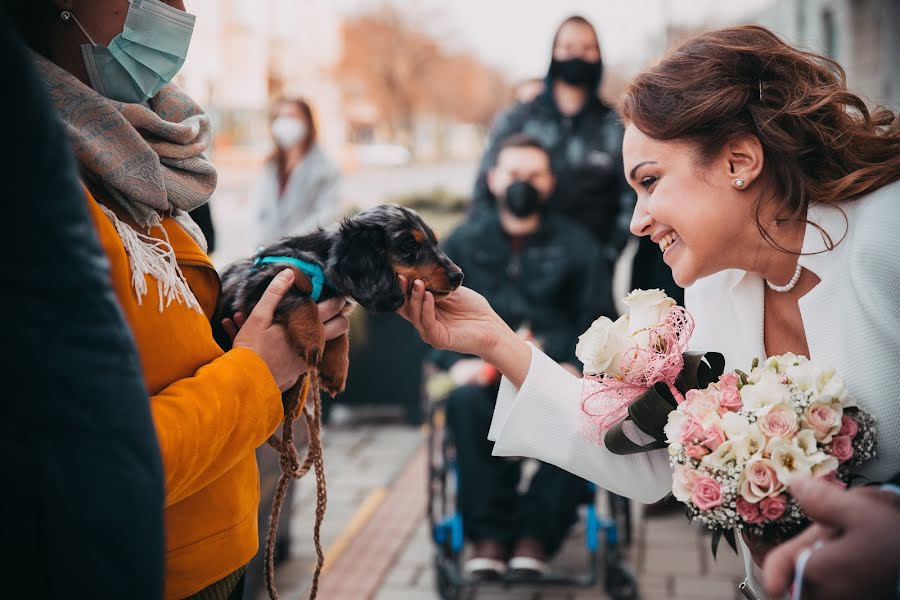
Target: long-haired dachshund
(361, 258)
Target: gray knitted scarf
(149, 159)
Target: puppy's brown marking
(334, 365)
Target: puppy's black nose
(455, 277)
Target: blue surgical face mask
(148, 53)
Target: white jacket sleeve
(543, 420)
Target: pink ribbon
(605, 399)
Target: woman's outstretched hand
(464, 322)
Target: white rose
(735, 425)
(600, 348)
(673, 426)
(789, 460)
(683, 483)
(767, 391)
(647, 309)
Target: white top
(310, 198)
(852, 321)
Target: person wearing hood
(582, 134)
(298, 188)
(545, 276)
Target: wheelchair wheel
(447, 581)
(619, 582)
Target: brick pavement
(378, 543)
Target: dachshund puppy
(359, 259)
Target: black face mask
(577, 71)
(522, 199)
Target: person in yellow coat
(140, 142)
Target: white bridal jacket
(851, 318)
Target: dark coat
(558, 284)
(82, 477)
(586, 157)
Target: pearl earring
(739, 183)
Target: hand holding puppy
(270, 341)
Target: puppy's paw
(334, 365)
(307, 333)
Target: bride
(773, 193)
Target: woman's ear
(744, 159)
(362, 269)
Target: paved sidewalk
(378, 547)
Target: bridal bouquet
(738, 443)
(636, 369)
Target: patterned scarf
(149, 159)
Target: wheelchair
(605, 538)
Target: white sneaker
(485, 567)
(527, 564)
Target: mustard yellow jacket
(211, 411)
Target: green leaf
(729, 537)
(716, 538)
(755, 363)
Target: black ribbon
(650, 412)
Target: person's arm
(538, 413)
(507, 123)
(208, 422)
(542, 419)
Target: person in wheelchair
(544, 274)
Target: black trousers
(491, 507)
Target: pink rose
(697, 451)
(849, 426)
(749, 512)
(699, 403)
(842, 448)
(832, 478)
(729, 395)
(691, 431)
(772, 508)
(713, 436)
(683, 480)
(707, 493)
(780, 421)
(823, 419)
(760, 481)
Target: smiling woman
(753, 163)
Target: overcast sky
(515, 35)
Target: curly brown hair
(821, 143)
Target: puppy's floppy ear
(362, 268)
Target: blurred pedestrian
(582, 133)
(140, 142)
(83, 480)
(298, 188)
(545, 276)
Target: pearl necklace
(789, 285)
